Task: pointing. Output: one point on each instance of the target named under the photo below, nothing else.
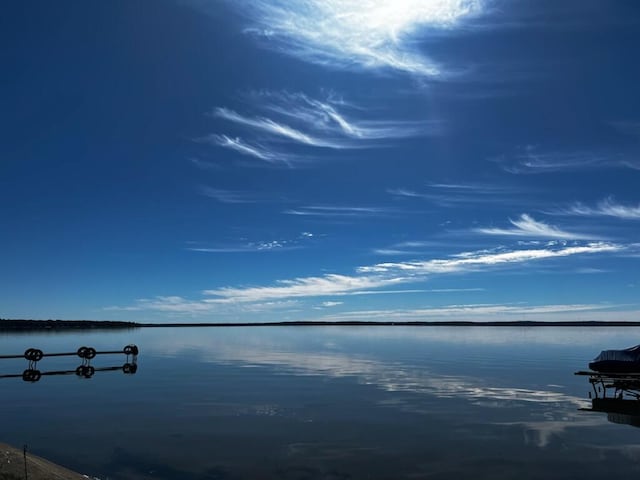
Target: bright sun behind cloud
(357, 33)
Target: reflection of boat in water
(621, 411)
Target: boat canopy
(627, 360)
(631, 354)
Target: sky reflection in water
(324, 403)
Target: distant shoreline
(9, 325)
(523, 323)
(12, 325)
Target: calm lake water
(322, 403)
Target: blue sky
(265, 160)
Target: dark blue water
(322, 403)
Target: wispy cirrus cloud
(240, 146)
(415, 247)
(531, 160)
(304, 126)
(527, 226)
(392, 251)
(204, 164)
(335, 118)
(275, 128)
(605, 208)
(415, 290)
(338, 211)
(246, 246)
(495, 313)
(330, 123)
(175, 305)
(270, 246)
(392, 274)
(470, 312)
(357, 34)
(451, 195)
(166, 304)
(228, 196)
(472, 261)
(325, 285)
(381, 278)
(328, 304)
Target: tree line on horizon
(29, 324)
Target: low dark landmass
(23, 325)
(523, 323)
(28, 325)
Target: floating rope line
(34, 354)
(84, 370)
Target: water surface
(322, 403)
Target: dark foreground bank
(14, 467)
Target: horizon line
(24, 324)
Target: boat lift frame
(613, 385)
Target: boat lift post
(622, 384)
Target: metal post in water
(24, 453)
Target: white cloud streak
(466, 312)
(326, 118)
(329, 284)
(244, 246)
(204, 165)
(178, 306)
(420, 290)
(405, 192)
(606, 208)
(367, 280)
(274, 128)
(228, 196)
(240, 146)
(531, 160)
(452, 195)
(312, 123)
(472, 261)
(337, 211)
(392, 274)
(330, 304)
(526, 226)
(306, 126)
(414, 248)
(357, 34)
(270, 246)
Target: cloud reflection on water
(392, 377)
(543, 409)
